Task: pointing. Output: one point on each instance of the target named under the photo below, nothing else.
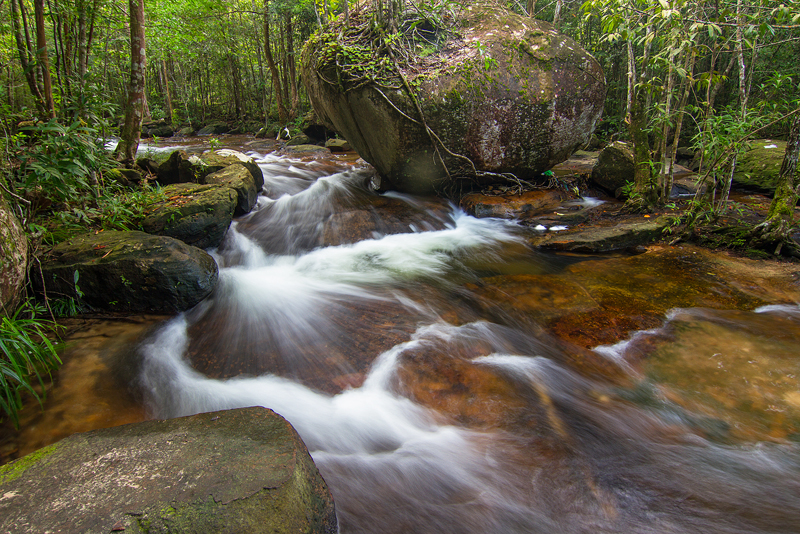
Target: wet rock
(745, 378)
(216, 160)
(242, 470)
(523, 206)
(580, 162)
(338, 145)
(238, 178)
(636, 292)
(300, 139)
(759, 167)
(198, 215)
(383, 216)
(603, 238)
(187, 131)
(129, 271)
(305, 151)
(214, 129)
(13, 258)
(614, 168)
(513, 96)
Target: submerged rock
(622, 236)
(242, 470)
(13, 258)
(508, 92)
(129, 271)
(198, 215)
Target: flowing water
(447, 379)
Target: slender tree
(134, 110)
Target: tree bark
(25, 57)
(167, 98)
(292, 59)
(273, 69)
(134, 110)
(44, 60)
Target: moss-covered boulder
(129, 271)
(214, 129)
(216, 160)
(242, 470)
(508, 92)
(238, 178)
(179, 167)
(198, 215)
(157, 129)
(614, 167)
(759, 167)
(13, 258)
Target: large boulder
(214, 128)
(508, 92)
(13, 259)
(157, 129)
(198, 215)
(614, 167)
(242, 470)
(130, 271)
(238, 178)
(759, 167)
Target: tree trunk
(44, 60)
(557, 14)
(530, 7)
(25, 56)
(292, 59)
(167, 98)
(273, 69)
(134, 110)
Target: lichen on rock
(503, 94)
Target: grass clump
(27, 356)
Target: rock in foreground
(13, 258)
(242, 470)
(130, 271)
(508, 92)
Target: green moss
(15, 469)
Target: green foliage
(27, 357)
(62, 161)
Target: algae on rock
(507, 95)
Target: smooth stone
(243, 470)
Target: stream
(447, 378)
